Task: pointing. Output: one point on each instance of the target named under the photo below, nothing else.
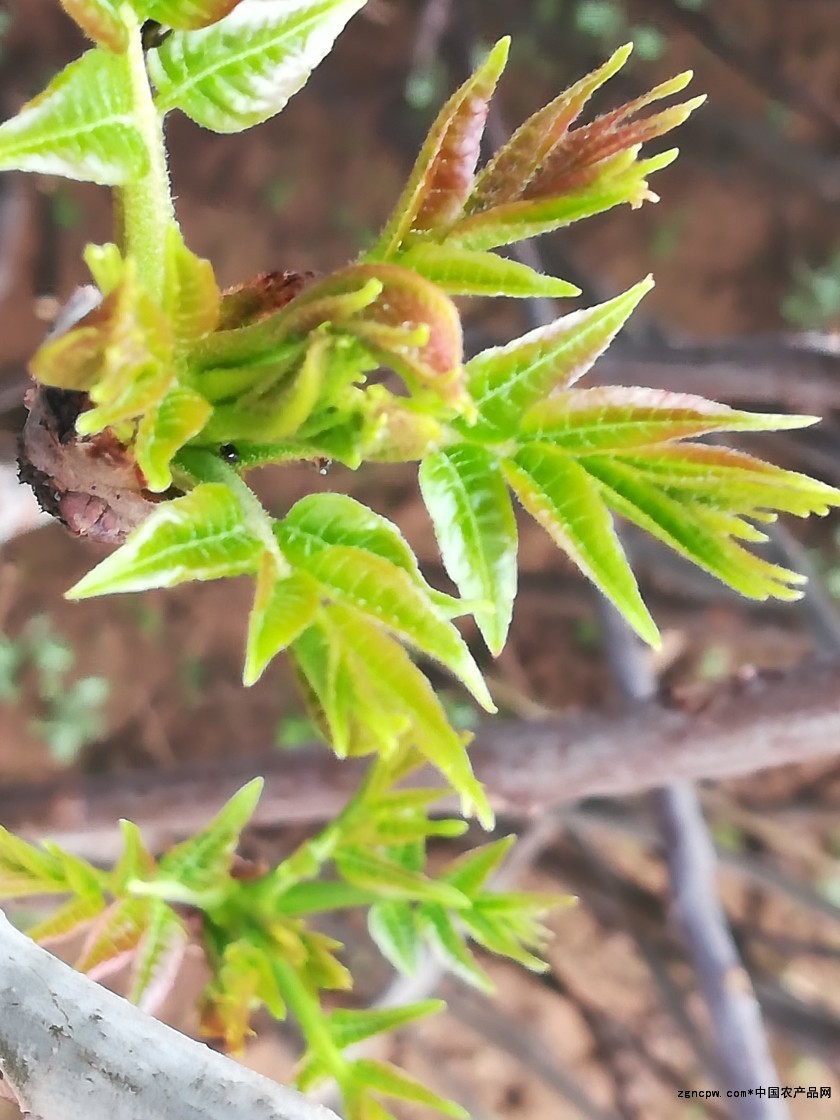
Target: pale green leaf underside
(80, 127)
(467, 498)
(464, 272)
(561, 496)
(201, 536)
(243, 69)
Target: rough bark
(69, 1048)
(770, 721)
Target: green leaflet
(443, 174)
(448, 945)
(561, 496)
(283, 607)
(392, 1082)
(200, 536)
(617, 418)
(390, 880)
(389, 596)
(323, 520)
(351, 1027)
(359, 672)
(393, 927)
(243, 69)
(158, 957)
(80, 127)
(506, 380)
(203, 862)
(465, 493)
(465, 272)
(702, 533)
(191, 296)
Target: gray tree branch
(70, 1048)
(527, 767)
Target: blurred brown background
(745, 247)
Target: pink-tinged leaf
(561, 496)
(186, 15)
(443, 175)
(408, 301)
(514, 165)
(623, 179)
(158, 958)
(506, 380)
(100, 20)
(617, 418)
(701, 533)
(114, 936)
(466, 496)
(256, 299)
(120, 353)
(578, 158)
(69, 918)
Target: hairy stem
(147, 206)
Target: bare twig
(527, 767)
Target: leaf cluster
(255, 923)
(197, 386)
